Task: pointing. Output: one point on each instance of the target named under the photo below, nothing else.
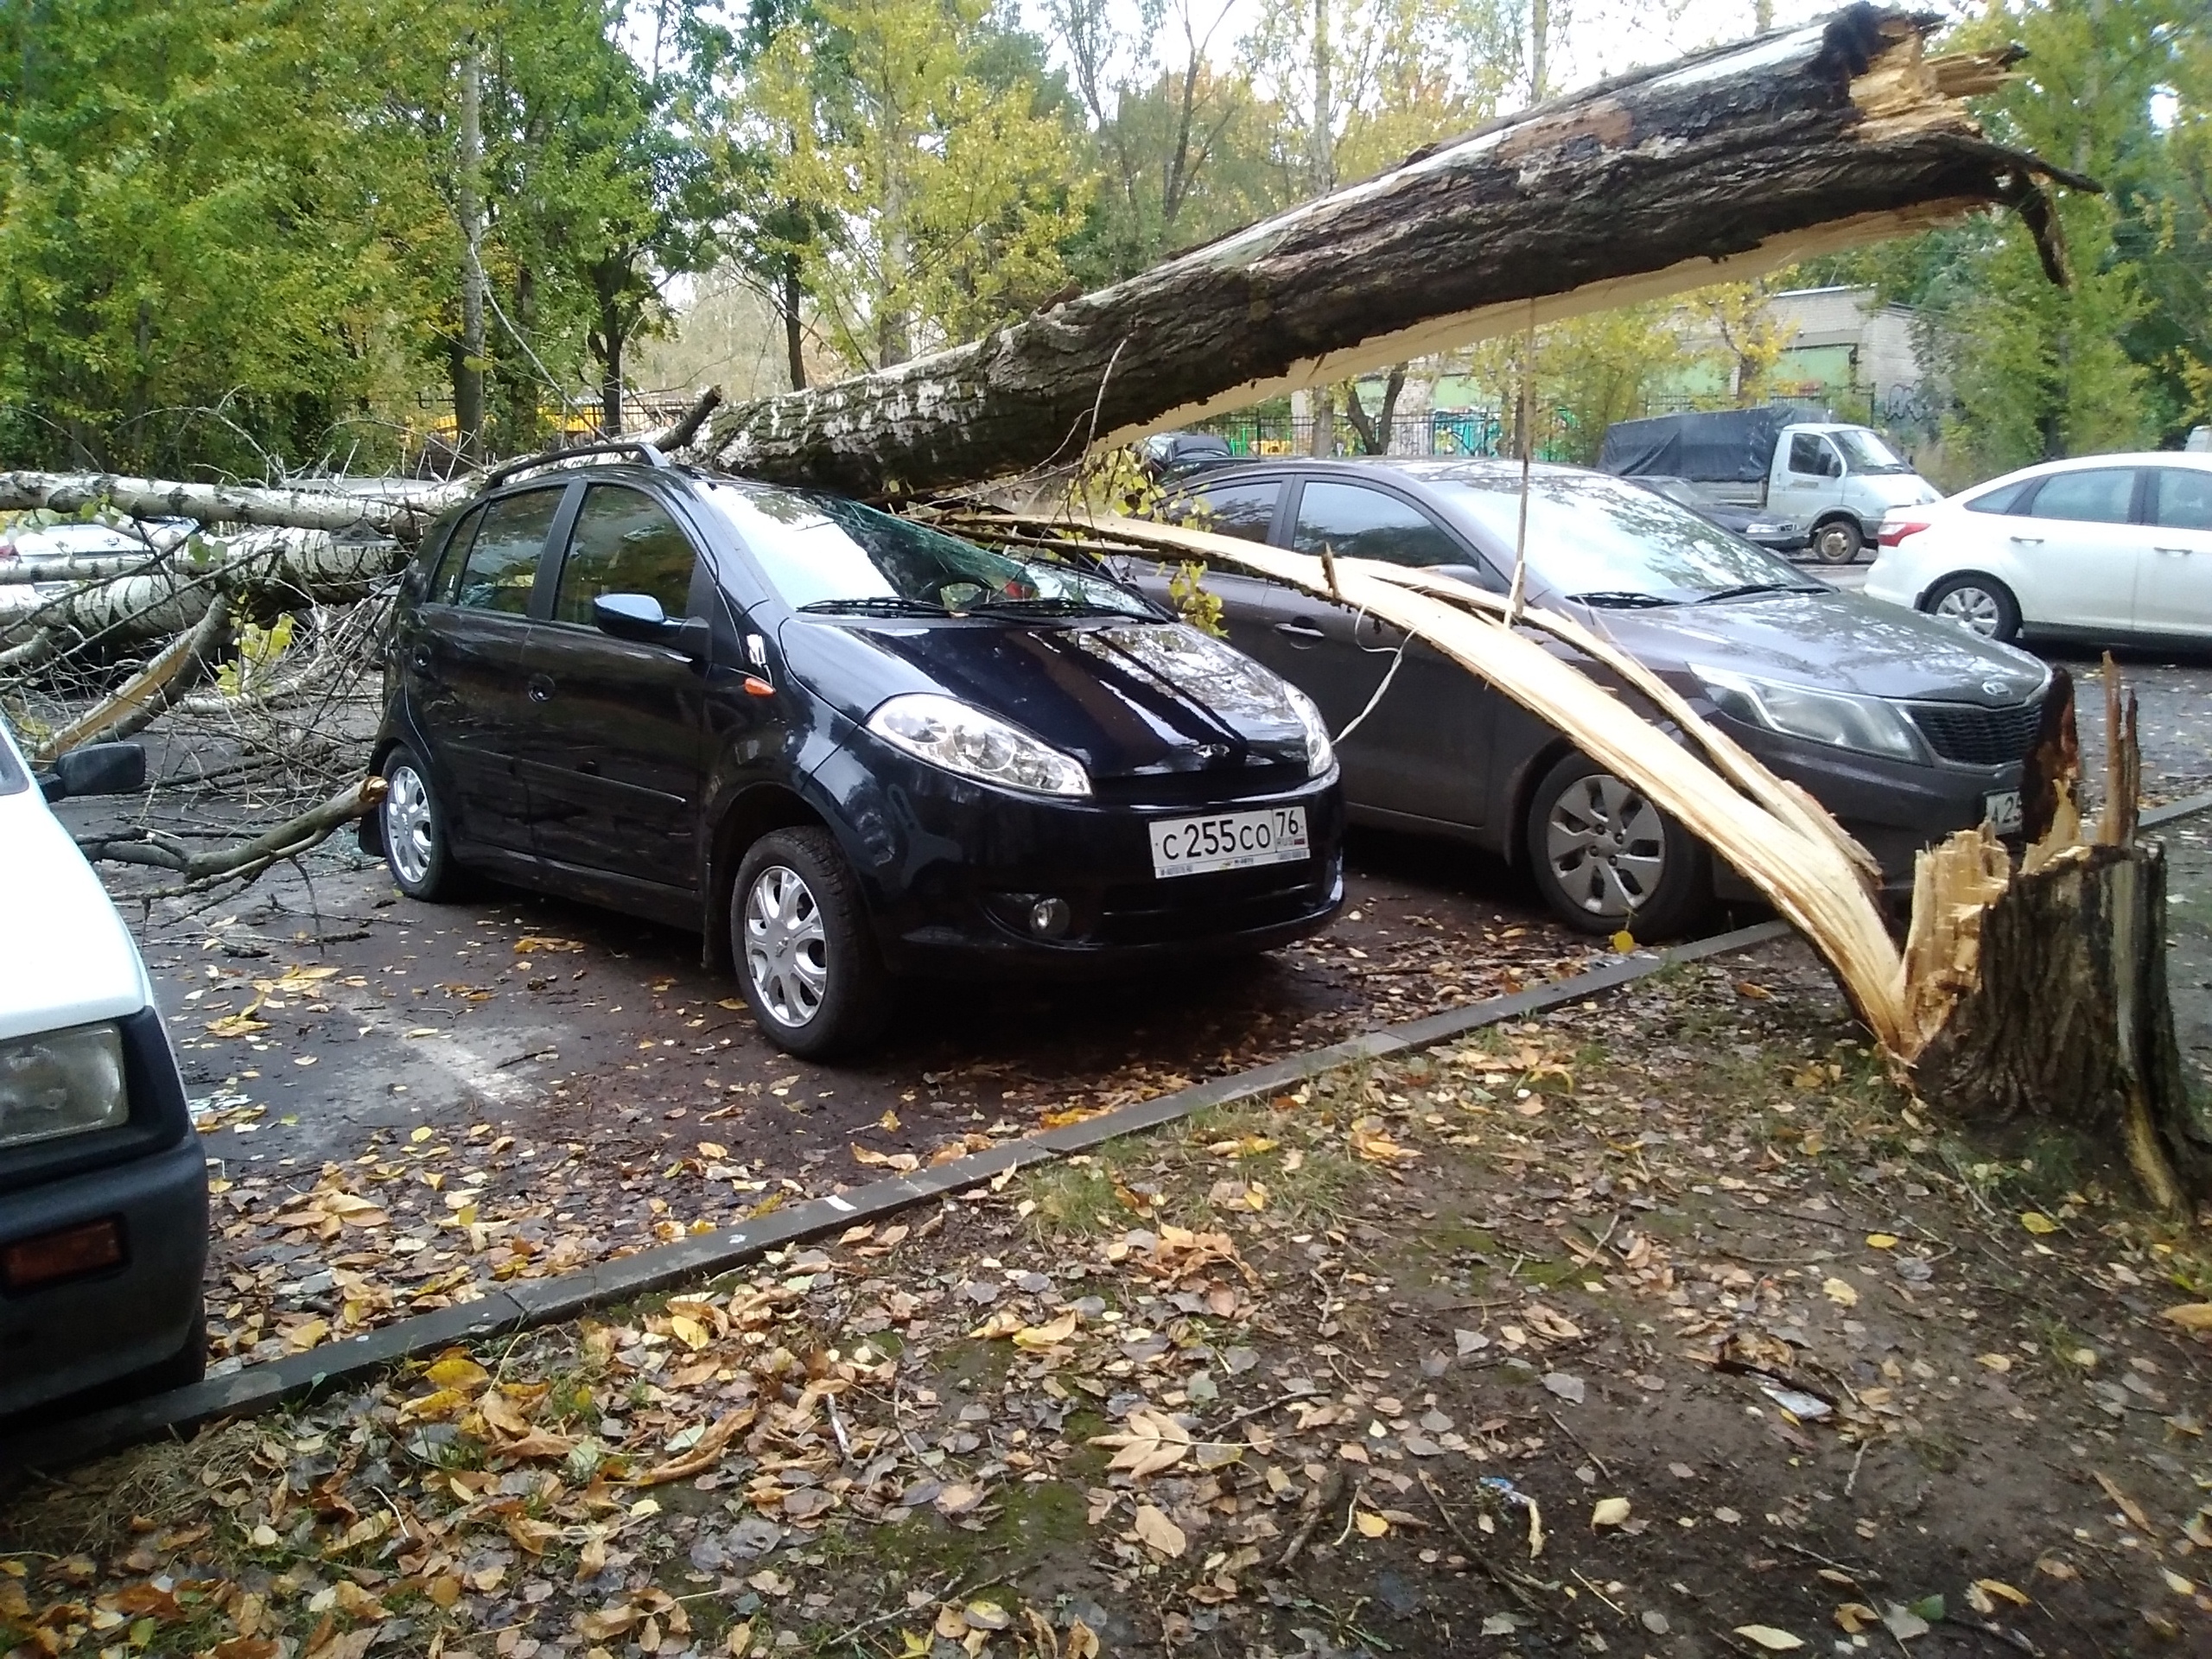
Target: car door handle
(2171, 550)
(540, 687)
(1300, 629)
(2029, 541)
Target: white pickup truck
(1833, 480)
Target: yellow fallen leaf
(2191, 1316)
(1157, 1533)
(2036, 1222)
(1049, 1335)
(2176, 1583)
(1856, 1616)
(1624, 942)
(454, 1370)
(236, 1025)
(1881, 1241)
(739, 1642)
(1371, 1524)
(1999, 1588)
(1082, 1643)
(1767, 1636)
(1610, 1512)
(1841, 1291)
(301, 1337)
(688, 1331)
(1152, 1441)
(1999, 1363)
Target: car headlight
(1762, 527)
(1320, 753)
(1866, 724)
(948, 733)
(61, 1083)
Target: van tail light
(69, 1254)
(1894, 531)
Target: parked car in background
(2099, 548)
(846, 747)
(1830, 479)
(1905, 729)
(1775, 535)
(103, 1185)
(1170, 454)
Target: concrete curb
(523, 1304)
(2172, 810)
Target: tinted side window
(502, 563)
(624, 543)
(1808, 454)
(2100, 496)
(1355, 523)
(1244, 510)
(2004, 500)
(445, 581)
(2182, 499)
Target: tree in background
(943, 179)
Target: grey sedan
(1904, 727)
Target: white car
(103, 1183)
(2099, 548)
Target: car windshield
(1607, 541)
(821, 553)
(1864, 452)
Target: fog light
(1049, 918)
(34, 1261)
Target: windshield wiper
(1749, 588)
(1619, 598)
(877, 604)
(1055, 605)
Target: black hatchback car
(845, 746)
(1904, 727)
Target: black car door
(464, 670)
(1423, 750)
(615, 758)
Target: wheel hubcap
(1607, 846)
(1835, 544)
(407, 830)
(1971, 608)
(786, 949)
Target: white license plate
(1228, 841)
(2003, 811)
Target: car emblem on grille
(1996, 688)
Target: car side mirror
(96, 769)
(1475, 575)
(639, 617)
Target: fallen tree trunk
(151, 691)
(244, 860)
(1722, 166)
(401, 509)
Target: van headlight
(948, 733)
(1867, 724)
(61, 1083)
(1320, 753)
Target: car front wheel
(1981, 605)
(414, 825)
(1838, 542)
(1607, 860)
(799, 935)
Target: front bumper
(1893, 808)
(60, 1339)
(950, 869)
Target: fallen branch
(152, 691)
(244, 860)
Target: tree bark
(1375, 429)
(1730, 163)
(151, 691)
(794, 335)
(468, 350)
(401, 509)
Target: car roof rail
(638, 447)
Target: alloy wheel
(786, 946)
(409, 832)
(1607, 844)
(1974, 608)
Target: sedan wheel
(1978, 605)
(1608, 859)
(786, 951)
(415, 830)
(805, 955)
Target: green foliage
(1194, 602)
(260, 651)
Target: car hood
(1127, 697)
(1832, 641)
(68, 960)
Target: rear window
(501, 567)
(1244, 510)
(2004, 498)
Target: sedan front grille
(1979, 737)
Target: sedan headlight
(948, 733)
(61, 1083)
(1866, 724)
(1320, 753)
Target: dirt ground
(1660, 1325)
